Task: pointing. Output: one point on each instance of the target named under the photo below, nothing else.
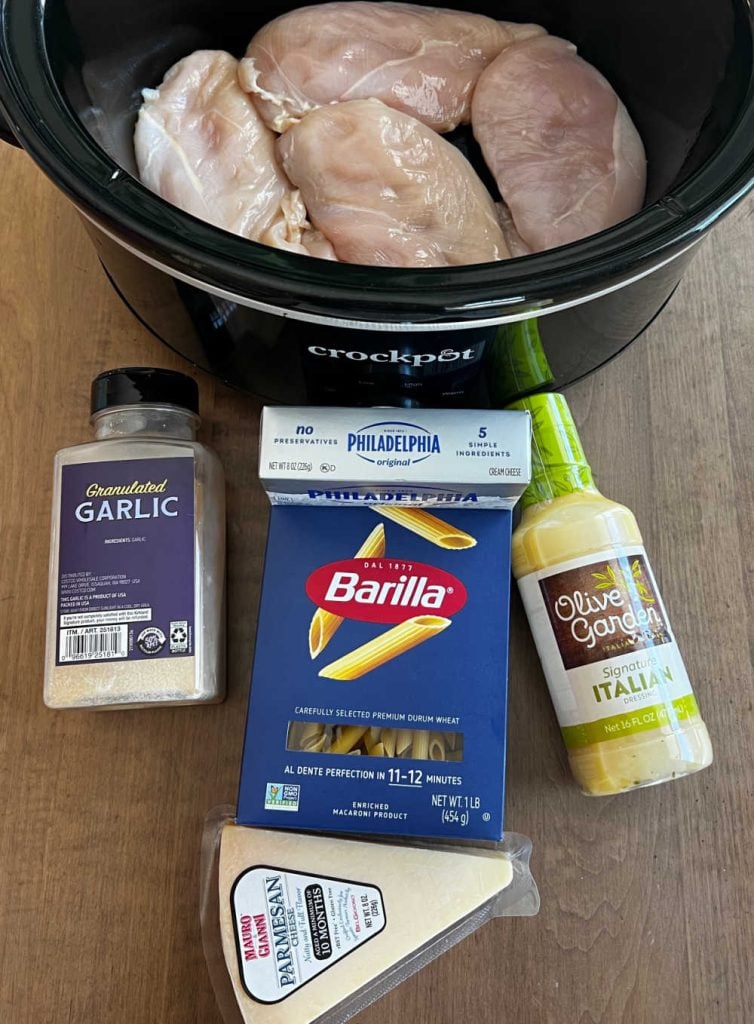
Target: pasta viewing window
(416, 744)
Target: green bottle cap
(559, 465)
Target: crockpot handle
(6, 134)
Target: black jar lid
(135, 385)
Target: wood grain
(646, 898)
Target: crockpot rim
(61, 145)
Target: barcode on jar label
(93, 643)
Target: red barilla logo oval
(385, 589)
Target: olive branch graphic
(609, 579)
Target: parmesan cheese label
(290, 927)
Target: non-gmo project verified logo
(281, 796)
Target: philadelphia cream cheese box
(419, 457)
(378, 700)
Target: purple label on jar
(126, 568)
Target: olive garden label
(604, 608)
(611, 662)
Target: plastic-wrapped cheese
(313, 929)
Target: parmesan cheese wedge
(311, 924)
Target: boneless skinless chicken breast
(562, 147)
(201, 145)
(424, 61)
(386, 190)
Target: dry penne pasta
(325, 624)
(430, 527)
(436, 747)
(373, 741)
(420, 745)
(309, 736)
(403, 739)
(312, 736)
(385, 647)
(347, 738)
(388, 742)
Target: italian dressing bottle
(616, 677)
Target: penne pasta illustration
(428, 526)
(383, 648)
(325, 624)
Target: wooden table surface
(647, 899)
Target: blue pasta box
(379, 686)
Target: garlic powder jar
(135, 612)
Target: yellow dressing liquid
(617, 679)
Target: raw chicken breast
(422, 60)
(201, 145)
(386, 190)
(513, 240)
(565, 154)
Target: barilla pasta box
(378, 700)
(412, 457)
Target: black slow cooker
(296, 329)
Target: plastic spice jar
(135, 613)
